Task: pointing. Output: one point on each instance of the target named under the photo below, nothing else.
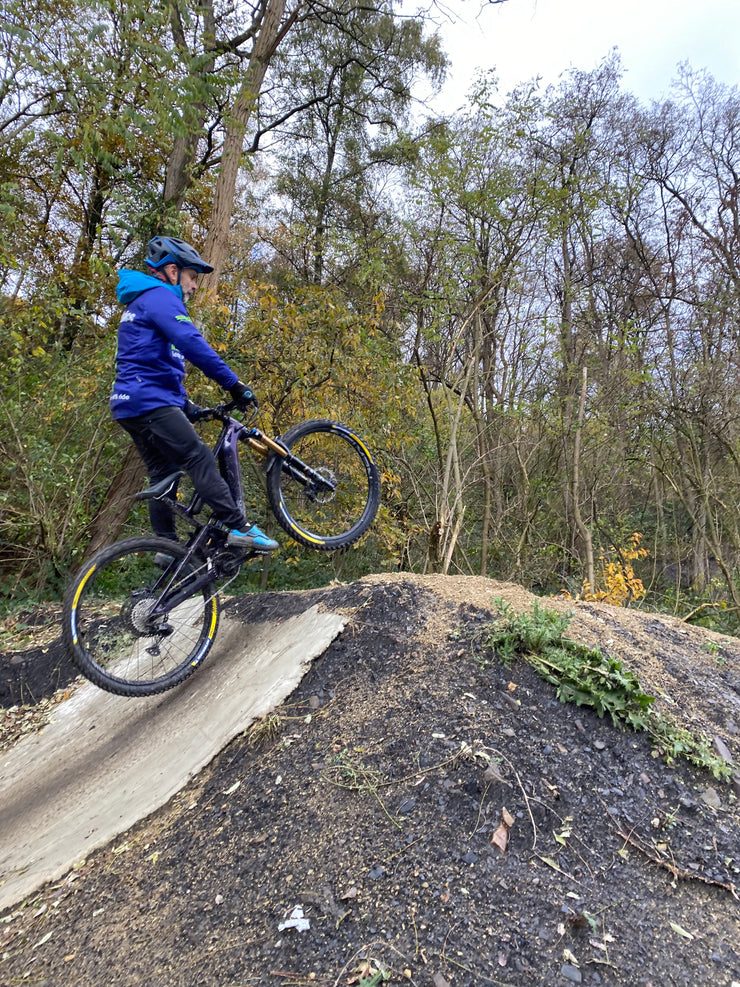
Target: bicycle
(141, 615)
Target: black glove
(192, 411)
(243, 396)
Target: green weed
(587, 677)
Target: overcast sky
(526, 38)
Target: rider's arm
(173, 321)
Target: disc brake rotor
(322, 494)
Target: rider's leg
(167, 441)
(171, 428)
(165, 438)
(158, 467)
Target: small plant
(618, 583)
(587, 677)
(265, 730)
(345, 770)
(714, 648)
(370, 973)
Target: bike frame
(226, 452)
(227, 455)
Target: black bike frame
(227, 457)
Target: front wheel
(325, 492)
(129, 622)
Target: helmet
(169, 250)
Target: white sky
(525, 38)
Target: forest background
(529, 309)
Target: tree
(477, 184)
(353, 80)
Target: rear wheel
(325, 494)
(121, 631)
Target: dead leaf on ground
(681, 931)
(492, 775)
(500, 837)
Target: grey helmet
(169, 250)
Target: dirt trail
(439, 819)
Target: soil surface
(417, 812)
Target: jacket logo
(183, 318)
(128, 317)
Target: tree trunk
(487, 499)
(179, 172)
(217, 241)
(106, 526)
(323, 204)
(580, 523)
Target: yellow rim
(80, 588)
(357, 439)
(76, 600)
(316, 541)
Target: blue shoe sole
(249, 545)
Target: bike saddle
(161, 489)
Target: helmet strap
(164, 275)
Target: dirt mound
(419, 813)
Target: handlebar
(222, 413)
(247, 432)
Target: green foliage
(439, 285)
(587, 677)
(55, 463)
(527, 633)
(313, 354)
(355, 74)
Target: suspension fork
(271, 449)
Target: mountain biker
(148, 400)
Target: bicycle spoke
(124, 635)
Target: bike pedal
(246, 554)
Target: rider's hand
(243, 396)
(192, 411)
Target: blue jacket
(155, 338)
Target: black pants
(167, 442)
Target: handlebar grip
(220, 412)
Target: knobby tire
(106, 623)
(314, 515)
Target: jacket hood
(131, 284)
